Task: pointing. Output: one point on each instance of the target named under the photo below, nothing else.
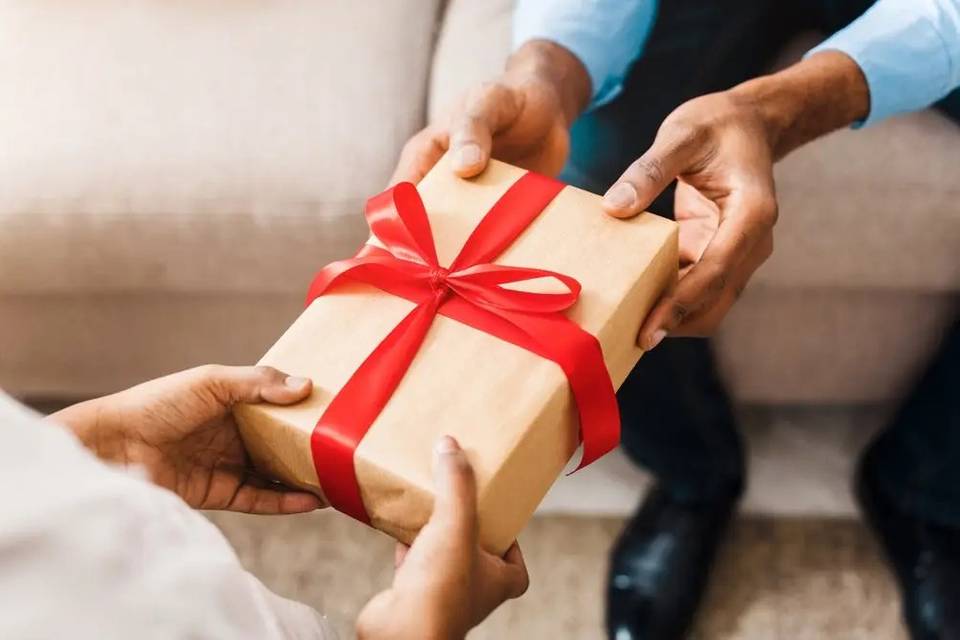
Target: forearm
(824, 92)
(557, 67)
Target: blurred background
(172, 174)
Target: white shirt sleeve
(91, 551)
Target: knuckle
(419, 140)
(480, 96)
(718, 277)
(718, 282)
(768, 248)
(212, 381)
(265, 372)
(688, 133)
(767, 209)
(209, 372)
(523, 584)
(468, 128)
(649, 169)
(414, 141)
(516, 587)
(680, 311)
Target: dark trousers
(677, 417)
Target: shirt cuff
(606, 42)
(903, 56)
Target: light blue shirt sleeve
(909, 51)
(606, 35)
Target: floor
(793, 575)
(801, 461)
(778, 578)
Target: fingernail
(296, 382)
(656, 339)
(468, 156)
(446, 445)
(621, 196)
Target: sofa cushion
(875, 208)
(792, 345)
(202, 145)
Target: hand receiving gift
(180, 429)
(445, 583)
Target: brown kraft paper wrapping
(511, 410)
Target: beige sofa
(171, 174)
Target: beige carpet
(780, 579)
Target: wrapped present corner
(502, 310)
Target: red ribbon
(470, 291)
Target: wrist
(93, 424)
(436, 618)
(396, 615)
(824, 92)
(556, 68)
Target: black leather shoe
(925, 559)
(660, 565)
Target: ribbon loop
(398, 219)
(483, 284)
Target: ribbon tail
(353, 410)
(507, 219)
(577, 352)
(580, 356)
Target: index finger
(672, 153)
(517, 579)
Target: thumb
(455, 502)
(231, 385)
(420, 154)
(486, 112)
(672, 153)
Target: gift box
(502, 310)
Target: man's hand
(523, 117)
(445, 584)
(717, 147)
(181, 430)
(721, 148)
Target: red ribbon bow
(470, 291)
